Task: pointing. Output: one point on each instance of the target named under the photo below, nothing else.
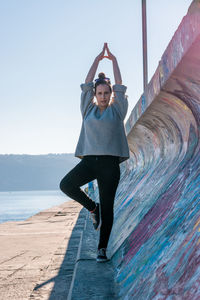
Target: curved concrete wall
(155, 238)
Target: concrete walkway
(52, 255)
(38, 255)
(92, 280)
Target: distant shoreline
(25, 172)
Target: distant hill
(34, 172)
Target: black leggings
(105, 169)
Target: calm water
(18, 206)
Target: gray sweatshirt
(103, 134)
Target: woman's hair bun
(101, 75)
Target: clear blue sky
(47, 48)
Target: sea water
(18, 206)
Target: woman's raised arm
(93, 69)
(116, 70)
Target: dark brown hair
(102, 80)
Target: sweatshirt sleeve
(120, 100)
(87, 96)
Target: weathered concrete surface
(38, 255)
(92, 280)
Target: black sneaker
(95, 216)
(101, 255)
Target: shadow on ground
(56, 280)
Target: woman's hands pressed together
(116, 70)
(101, 54)
(92, 71)
(110, 56)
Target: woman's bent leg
(71, 183)
(108, 181)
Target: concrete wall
(155, 239)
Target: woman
(102, 146)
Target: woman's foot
(95, 215)
(101, 255)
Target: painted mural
(155, 240)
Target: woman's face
(103, 96)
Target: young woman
(102, 146)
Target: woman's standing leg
(71, 183)
(108, 180)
